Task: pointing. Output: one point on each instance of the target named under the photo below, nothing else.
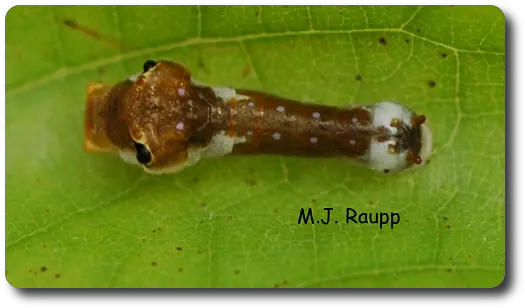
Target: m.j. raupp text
(351, 216)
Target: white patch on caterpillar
(221, 144)
(129, 157)
(378, 156)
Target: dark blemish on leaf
(246, 71)
(57, 275)
(386, 171)
(201, 65)
(195, 180)
(153, 230)
(250, 182)
(201, 221)
(443, 55)
(153, 263)
(43, 269)
(285, 282)
(236, 272)
(418, 31)
(382, 41)
(101, 70)
(407, 221)
(275, 211)
(179, 248)
(44, 246)
(203, 204)
(229, 218)
(445, 218)
(71, 23)
(256, 13)
(159, 229)
(431, 84)
(313, 200)
(340, 13)
(199, 252)
(450, 258)
(143, 240)
(469, 256)
(276, 285)
(358, 77)
(448, 226)
(407, 41)
(181, 269)
(449, 270)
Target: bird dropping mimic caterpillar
(164, 121)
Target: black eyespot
(148, 65)
(143, 155)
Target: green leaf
(87, 220)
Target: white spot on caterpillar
(276, 136)
(249, 133)
(352, 142)
(181, 91)
(134, 77)
(316, 115)
(222, 144)
(313, 139)
(280, 109)
(251, 104)
(180, 126)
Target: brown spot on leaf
(250, 182)
(246, 71)
(199, 252)
(313, 200)
(71, 23)
(448, 226)
(431, 84)
(445, 218)
(153, 263)
(449, 270)
(43, 269)
(201, 65)
(181, 269)
(382, 41)
(443, 55)
(276, 285)
(44, 246)
(236, 272)
(203, 204)
(358, 77)
(57, 275)
(179, 248)
(407, 41)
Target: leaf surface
(84, 220)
